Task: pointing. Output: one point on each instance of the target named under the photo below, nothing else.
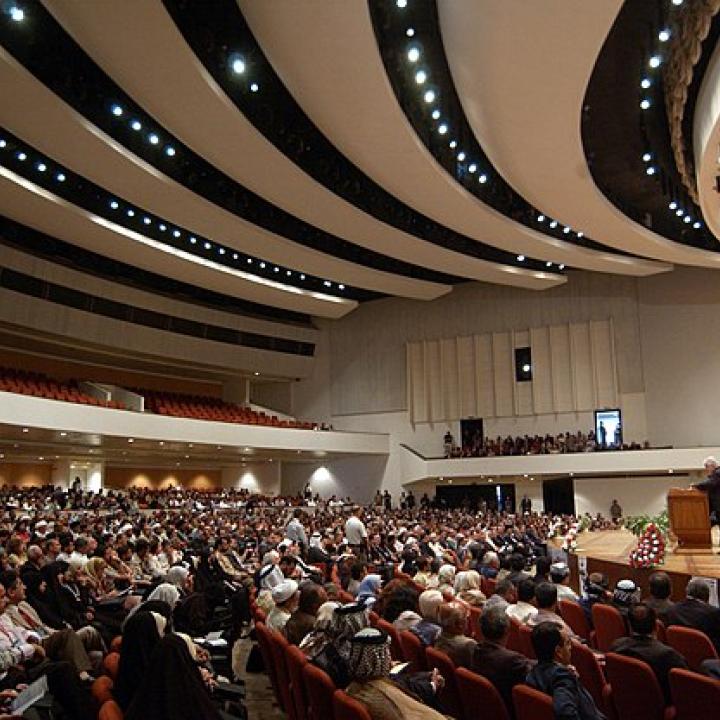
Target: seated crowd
(152, 573)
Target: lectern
(690, 520)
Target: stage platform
(607, 551)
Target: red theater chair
(695, 697)
(479, 697)
(449, 696)
(609, 626)
(413, 651)
(636, 693)
(320, 690)
(347, 708)
(531, 704)
(693, 645)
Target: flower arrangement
(650, 550)
(569, 543)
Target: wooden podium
(689, 514)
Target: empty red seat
(635, 692)
(609, 626)
(693, 645)
(694, 696)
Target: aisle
(260, 699)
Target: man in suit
(696, 612)
(502, 667)
(452, 640)
(643, 646)
(711, 485)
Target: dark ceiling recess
(49, 53)
(21, 237)
(622, 139)
(457, 149)
(218, 32)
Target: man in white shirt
(560, 575)
(523, 610)
(295, 531)
(356, 534)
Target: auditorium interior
(300, 294)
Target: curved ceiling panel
(85, 149)
(36, 207)
(532, 133)
(326, 55)
(149, 58)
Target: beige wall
(121, 478)
(25, 475)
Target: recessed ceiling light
(687, 219)
(21, 156)
(235, 256)
(238, 66)
(42, 167)
(472, 167)
(647, 157)
(254, 87)
(664, 35)
(554, 224)
(302, 277)
(442, 128)
(697, 225)
(644, 104)
(262, 265)
(679, 212)
(147, 220)
(566, 230)
(193, 240)
(581, 234)
(221, 251)
(153, 139)
(341, 287)
(461, 156)
(17, 14)
(548, 264)
(131, 440)
(401, 3)
(413, 54)
(26, 430)
(655, 61)
(429, 96)
(3, 143)
(117, 111)
(162, 227)
(136, 125)
(131, 213)
(176, 233)
(645, 83)
(410, 32)
(482, 179)
(650, 170)
(162, 442)
(170, 151)
(453, 144)
(276, 269)
(207, 246)
(63, 434)
(561, 266)
(436, 114)
(677, 2)
(256, 373)
(672, 205)
(541, 218)
(521, 258)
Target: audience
(302, 621)
(285, 597)
(696, 612)
(660, 590)
(523, 609)
(452, 640)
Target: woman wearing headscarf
(174, 690)
(318, 638)
(446, 580)
(165, 594)
(44, 603)
(369, 588)
(141, 634)
(467, 588)
(369, 665)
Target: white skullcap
(284, 591)
(710, 460)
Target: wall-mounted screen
(608, 429)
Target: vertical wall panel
(484, 381)
(466, 376)
(417, 393)
(582, 367)
(604, 363)
(542, 389)
(434, 380)
(523, 396)
(503, 374)
(562, 381)
(451, 401)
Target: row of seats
(28, 383)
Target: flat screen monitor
(608, 429)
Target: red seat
(320, 691)
(111, 663)
(102, 689)
(395, 647)
(636, 692)
(116, 644)
(479, 697)
(110, 711)
(280, 647)
(265, 644)
(449, 696)
(531, 704)
(296, 661)
(609, 626)
(474, 615)
(487, 585)
(591, 675)
(574, 615)
(526, 646)
(695, 697)
(348, 708)
(513, 641)
(693, 645)
(413, 651)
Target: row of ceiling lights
(135, 214)
(430, 96)
(648, 81)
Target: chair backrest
(574, 615)
(295, 663)
(531, 704)
(488, 585)
(473, 630)
(111, 664)
(526, 646)
(636, 692)
(280, 647)
(513, 641)
(101, 689)
(265, 644)
(413, 651)
(448, 696)
(479, 697)
(661, 631)
(694, 696)
(395, 647)
(591, 674)
(110, 711)
(348, 708)
(693, 645)
(320, 690)
(609, 625)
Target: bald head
(452, 618)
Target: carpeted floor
(259, 699)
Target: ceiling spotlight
(249, 261)
(561, 266)
(254, 87)
(276, 269)
(3, 143)
(541, 218)
(262, 265)
(553, 224)
(566, 229)
(131, 440)
(410, 32)
(429, 96)
(664, 35)
(650, 170)
(645, 83)
(687, 219)
(436, 114)
(117, 111)
(327, 283)
(420, 77)
(21, 156)
(42, 167)
(521, 258)
(162, 227)
(461, 156)
(472, 167)
(442, 128)
(548, 264)
(302, 277)
(401, 3)
(341, 287)
(697, 225)
(644, 104)
(655, 61)
(677, 2)
(581, 234)
(131, 213)
(176, 233)
(413, 54)
(170, 151)
(646, 157)
(25, 430)
(482, 179)
(153, 138)
(221, 251)
(679, 212)
(238, 66)
(114, 204)
(147, 220)
(207, 246)
(672, 205)
(288, 273)
(453, 144)
(63, 434)
(526, 368)
(235, 256)
(16, 14)
(136, 125)
(60, 177)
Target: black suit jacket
(502, 667)
(660, 657)
(696, 614)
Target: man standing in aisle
(356, 534)
(295, 531)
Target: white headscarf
(167, 593)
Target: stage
(607, 551)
